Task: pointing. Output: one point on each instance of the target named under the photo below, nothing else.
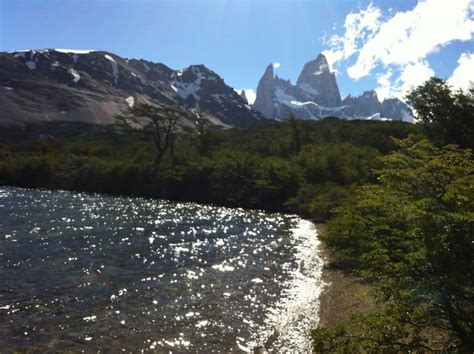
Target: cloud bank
(463, 75)
(399, 45)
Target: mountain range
(316, 95)
(92, 86)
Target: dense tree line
(256, 168)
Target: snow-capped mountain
(316, 95)
(92, 86)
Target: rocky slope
(316, 95)
(92, 86)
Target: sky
(387, 45)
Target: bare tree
(158, 123)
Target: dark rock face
(316, 95)
(62, 85)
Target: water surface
(89, 272)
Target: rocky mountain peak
(265, 93)
(370, 94)
(396, 109)
(365, 105)
(317, 66)
(244, 97)
(317, 76)
(316, 95)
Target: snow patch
(282, 96)
(322, 110)
(407, 117)
(74, 51)
(19, 51)
(375, 116)
(323, 68)
(130, 101)
(308, 90)
(185, 89)
(31, 65)
(114, 66)
(75, 75)
(219, 97)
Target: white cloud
(331, 57)
(384, 90)
(411, 36)
(463, 76)
(400, 44)
(359, 26)
(410, 76)
(276, 65)
(414, 74)
(249, 93)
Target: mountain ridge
(92, 86)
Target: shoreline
(344, 293)
(295, 314)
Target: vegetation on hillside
(411, 236)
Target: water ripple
(85, 272)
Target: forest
(398, 198)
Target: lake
(89, 272)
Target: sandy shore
(345, 293)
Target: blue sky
(387, 45)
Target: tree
(412, 236)
(447, 115)
(203, 132)
(157, 123)
(295, 133)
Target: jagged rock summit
(244, 97)
(92, 86)
(317, 80)
(316, 95)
